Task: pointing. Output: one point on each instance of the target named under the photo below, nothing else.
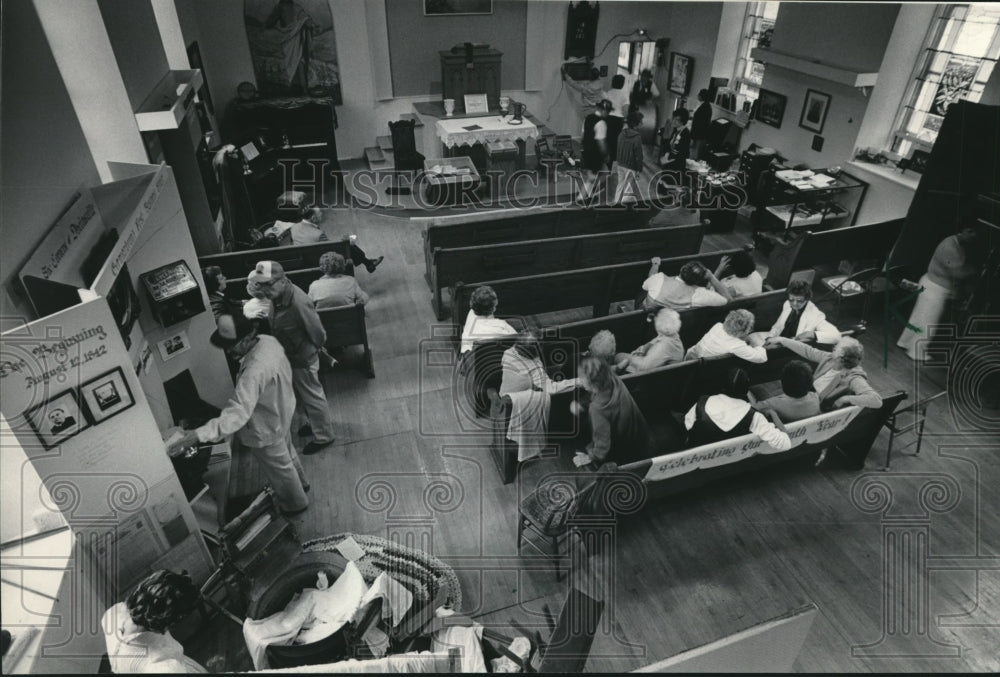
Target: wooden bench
(595, 287)
(532, 257)
(300, 278)
(296, 257)
(830, 246)
(539, 224)
(672, 388)
(345, 326)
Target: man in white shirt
(729, 338)
(308, 230)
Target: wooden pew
(675, 388)
(830, 246)
(237, 288)
(589, 287)
(532, 257)
(296, 257)
(345, 326)
(543, 223)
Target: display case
(809, 199)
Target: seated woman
(603, 346)
(800, 319)
(334, 288)
(798, 399)
(309, 231)
(744, 280)
(687, 290)
(480, 323)
(136, 630)
(720, 417)
(529, 387)
(665, 347)
(838, 378)
(619, 431)
(729, 337)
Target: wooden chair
(843, 287)
(404, 153)
(918, 412)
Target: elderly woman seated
(480, 323)
(729, 338)
(136, 630)
(728, 414)
(687, 290)
(603, 346)
(665, 347)
(838, 377)
(525, 381)
(334, 288)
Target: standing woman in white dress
(950, 276)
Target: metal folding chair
(918, 410)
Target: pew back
(237, 288)
(296, 257)
(532, 257)
(346, 326)
(830, 246)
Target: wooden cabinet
(482, 76)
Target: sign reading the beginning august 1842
(810, 431)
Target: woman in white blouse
(480, 323)
(720, 417)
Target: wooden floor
(685, 571)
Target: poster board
(71, 398)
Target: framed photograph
(476, 103)
(814, 111)
(771, 107)
(455, 7)
(58, 419)
(107, 395)
(680, 73)
(174, 345)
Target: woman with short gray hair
(730, 337)
(335, 288)
(838, 379)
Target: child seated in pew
(797, 400)
(720, 417)
(744, 280)
(664, 348)
(687, 290)
(480, 323)
(619, 431)
(729, 338)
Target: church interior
(490, 191)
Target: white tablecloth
(453, 132)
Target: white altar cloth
(453, 132)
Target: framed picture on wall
(814, 110)
(454, 7)
(58, 419)
(680, 73)
(107, 395)
(771, 107)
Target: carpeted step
(377, 159)
(384, 142)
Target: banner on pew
(808, 431)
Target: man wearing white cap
(296, 325)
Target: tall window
(758, 25)
(960, 51)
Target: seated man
(137, 630)
(309, 231)
(665, 347)
(800, 319)
(334, 288)
(798, 399)
(726, 415)
(729, 338)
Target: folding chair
(918, 410)
(849, 286)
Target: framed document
(476, 103)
